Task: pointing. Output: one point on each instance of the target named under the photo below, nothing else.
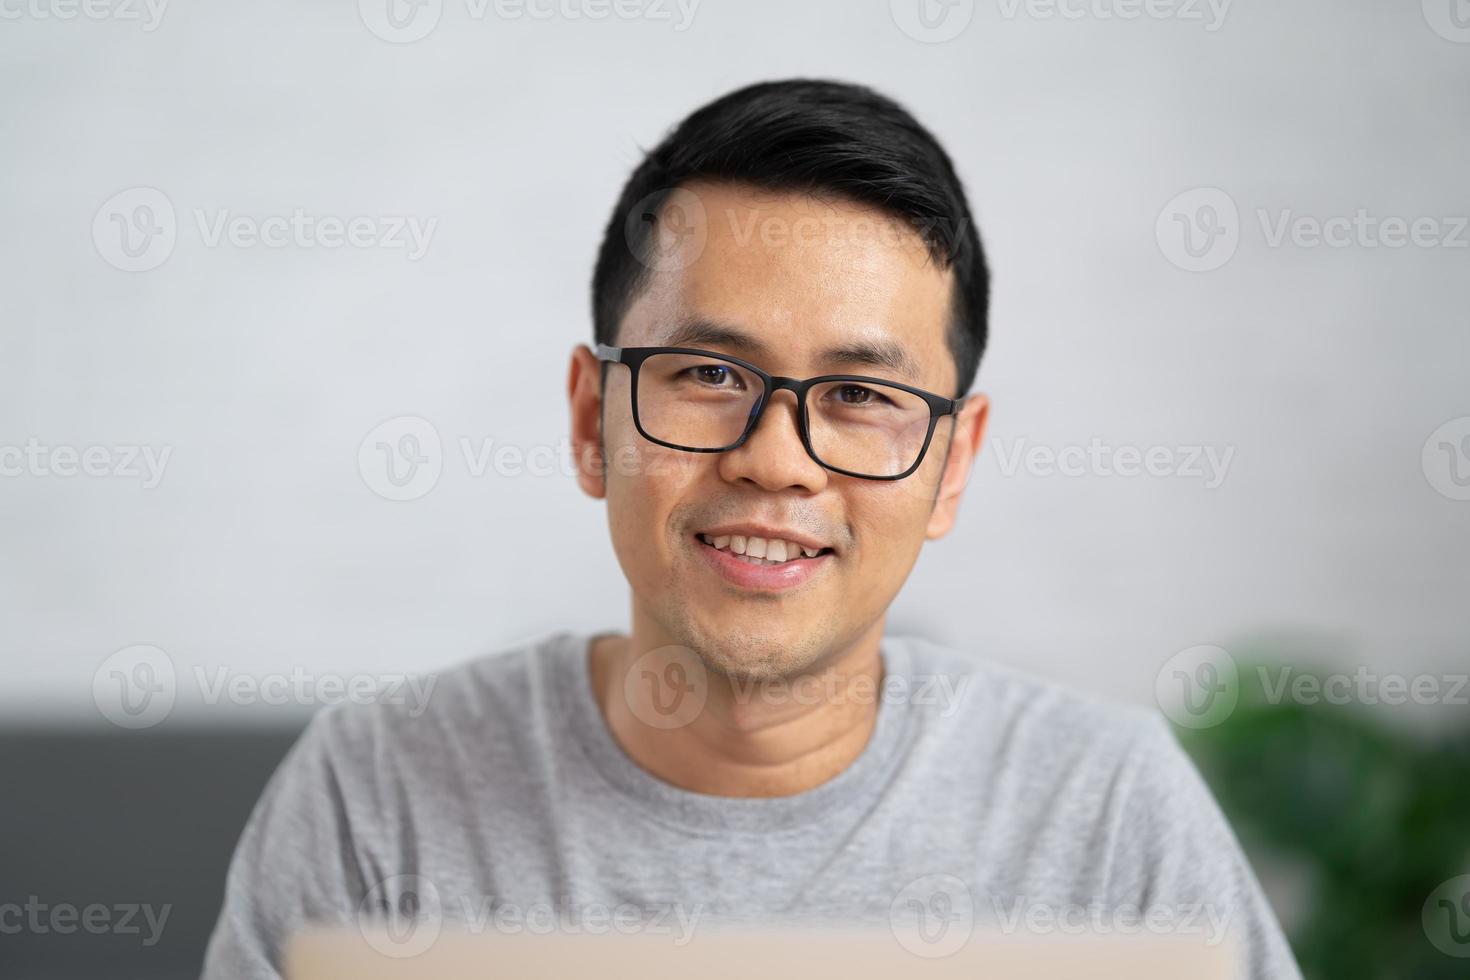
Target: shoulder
(1021, 715)
(417, 721)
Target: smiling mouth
(760, 551)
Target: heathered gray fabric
(1028, 809)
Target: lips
(762, 573)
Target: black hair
(811, 136)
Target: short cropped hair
(808, 136)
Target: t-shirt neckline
(705, 813)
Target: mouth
(762, 564)
(755, 550)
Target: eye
(715, 375)
(852, 394)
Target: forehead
(804, 276)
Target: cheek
(645, 485)
(919, 489)
(889, 520)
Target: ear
(964, 446)
(584, 394)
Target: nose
(773, 457)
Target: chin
(754, 655)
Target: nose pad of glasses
(764, 402)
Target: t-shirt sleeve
(295, 863)
(1175, 852)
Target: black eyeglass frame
(633, 357)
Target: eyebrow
(700, 332)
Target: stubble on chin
(748, 654)
(751, 645)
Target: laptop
(350, 954)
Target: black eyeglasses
(702, 402)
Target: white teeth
(760, 550)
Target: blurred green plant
(1375, 817)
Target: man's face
(800, 287)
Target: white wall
(262, 369)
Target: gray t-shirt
(985, 801)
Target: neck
(748, 737)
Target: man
(790, 306)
